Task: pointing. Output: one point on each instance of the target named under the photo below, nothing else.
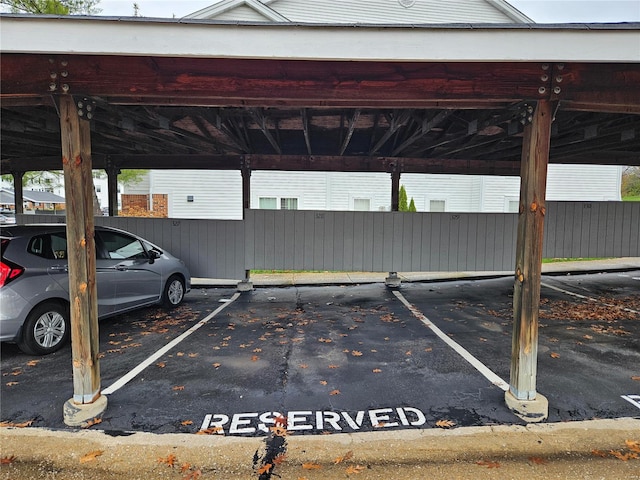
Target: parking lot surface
(342, 359)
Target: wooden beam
(526, 298)
(18, 193)
(112, 188)
(76, 160)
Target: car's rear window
(49, 245)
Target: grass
(558, 260)
(635, 198)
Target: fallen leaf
(161, 364)
(622, 456)
(257, 350)
(7, 460)
(216, 365)
(177, 388)
(408, 353)
(185, 467)
(356, 353)
(92, 422)
(537, 460)
(265, 468)
(210, 431)
(636, 378)
(445, 423)
(554, 355)
(193, 355)
(488, 464)
(633, 445)
(325, 340)
(281, 421)
(344, 458)
(186, 422)
(377, 370)
(334, 366)
(11, 384)
(193, 475)
(323, 382)
(279, 431)
(598, 453)
(304, 365)
(280, 459)
(311, 466)
(354, 469)
(91, 456)
(180, 354)
(334, 392)
(170, 460)
(254, 358)
(33, 363)
(17, 425)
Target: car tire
(173, 293)
(46, 329)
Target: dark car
(34, 282)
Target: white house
(218, 194)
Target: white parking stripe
(591, 299)
(136, 371)
(477, 364)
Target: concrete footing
(81, 414)
(531, 411)
(245, 286)
(392, 280)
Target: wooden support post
(393, 280)
(522, 397)
(395, 190)
(18, 193)
(76, 162)
(112, 188)
(246, 284)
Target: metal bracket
(86, 107)
(525, 113)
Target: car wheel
(46, 329)
(173, 292)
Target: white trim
(510, 11)
(226, 5)
(461, 43)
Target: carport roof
(218, 95)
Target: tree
(131, 176)
(53, 7)
(403, 201)
(403, 206)
(631, 182)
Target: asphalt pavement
(339, 361)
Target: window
(98, 188)
(268, 203)
(50, 246)
(120, 246)
(361, 204)
(288, 203)
(514, 206)
(436, 205)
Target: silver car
(34, 282)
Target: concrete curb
(233, 457)
(579, 267)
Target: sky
(540, 11)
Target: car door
(130, 273)
(52, 248)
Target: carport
(482, 99)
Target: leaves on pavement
(17, 425)
(445, 423)
(488, 464)
(91, 456)
(8, 460)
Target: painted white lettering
(240, 419)
(402, 416)
(268, 418)
(355, 425)
(298, 417)
(331, 418)
(632, 399)
(420, 418)
(379, 418)
(213, 421)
